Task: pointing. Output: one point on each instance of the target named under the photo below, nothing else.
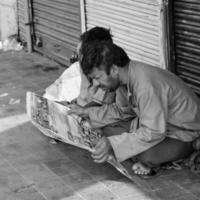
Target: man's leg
(168, 150)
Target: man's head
(103, 62)
(94, 34)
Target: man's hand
(102, 150)
(78, 110)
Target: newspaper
(52, 120)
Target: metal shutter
(57, 25)
(136, 25)
(187, 41)
(21, 19)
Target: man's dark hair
(102, 54)
(96, 33)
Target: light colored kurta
(164, 105)
(108, 114)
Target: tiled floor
(32, 168)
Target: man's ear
(114, 70)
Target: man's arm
(117, 111)
(102, 115)
(108, 114)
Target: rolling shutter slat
(135, 25)
(57, 23)
(187, 41)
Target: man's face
(107, 82)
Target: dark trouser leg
(166, 151)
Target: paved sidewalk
(32, 168)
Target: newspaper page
(52, 120)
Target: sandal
(147, 172)
(152, 174)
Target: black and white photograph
(99, 99)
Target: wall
(8, 18)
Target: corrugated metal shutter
(187, 41)
(135, 24)
(57, 24)
(21, 19)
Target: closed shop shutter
(57, 27)
(21, 19)
(136, 25)
(187, 41)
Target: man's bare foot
(140, 169)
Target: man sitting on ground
(168, 112)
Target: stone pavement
(32, 168)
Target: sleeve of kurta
(153, 107)
(108, 114)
